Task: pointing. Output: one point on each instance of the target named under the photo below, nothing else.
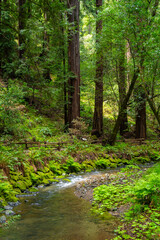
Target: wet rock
(8, 207)
(13, 204)
(26, 195)
(3, 219)
(40, 186)
(9, 212)
(35, 204)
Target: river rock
(8, 207)
(13, 204)
(40, 186)
(3, 219)
(9, 212)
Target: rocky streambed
(85, 189)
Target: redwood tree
(98, 108)
(140, 100)
(21, 22)
(73, 62)
(122, 89)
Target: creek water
(55, 213)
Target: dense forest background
(90, 59)
(75, 77)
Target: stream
(55, 213)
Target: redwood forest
(79, 119)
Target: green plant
(10, 116)
(46, 131)
(71, 166)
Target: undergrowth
(141, 194)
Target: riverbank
(23, 171)
(132, 195)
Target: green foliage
(46, 131)
(55, 167)
(146, 190)
(71, 166)
(10, 116)
(102, 163)
(6, 190)
(141, 221)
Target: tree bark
(65, 83)
(152, 105)
(1, 36)
(98, 108)
(140, 99)
(73, 62)
(122, 90)
(112, 138)
(21, 27)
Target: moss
(54, 180)
(36, 179)
(55, 168)
(88, 165)
(45, 170)
(21, 185)
(32, 189)
(142, 159)
(113, 165)
(40, 174)
(154, 156)
(102, 163)
(46, 181)
(71, 166)
(15, 176)
(28, 169)
(49, 175)
(7, 192)
(17, 190)
(2, 202)
(66, 180)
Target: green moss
(55, 168)
(88, 165)
(49, 175)
(32, 189)
(66, 180)
(15, 176)
(46, 181)
(36, 179)
(40, 174)
(21, 185)
(142, 159)
(7, 192)
(154, 156)
(71, 166)
(54, 180)
(102, 163)
(46, 170)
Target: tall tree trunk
(73, 62)
(112, 138)
(98, 108)
(140, 99)
(122, 90)
(65, 83)
(46, 72)
(1, 36)
(152, 104)
(21, 27)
